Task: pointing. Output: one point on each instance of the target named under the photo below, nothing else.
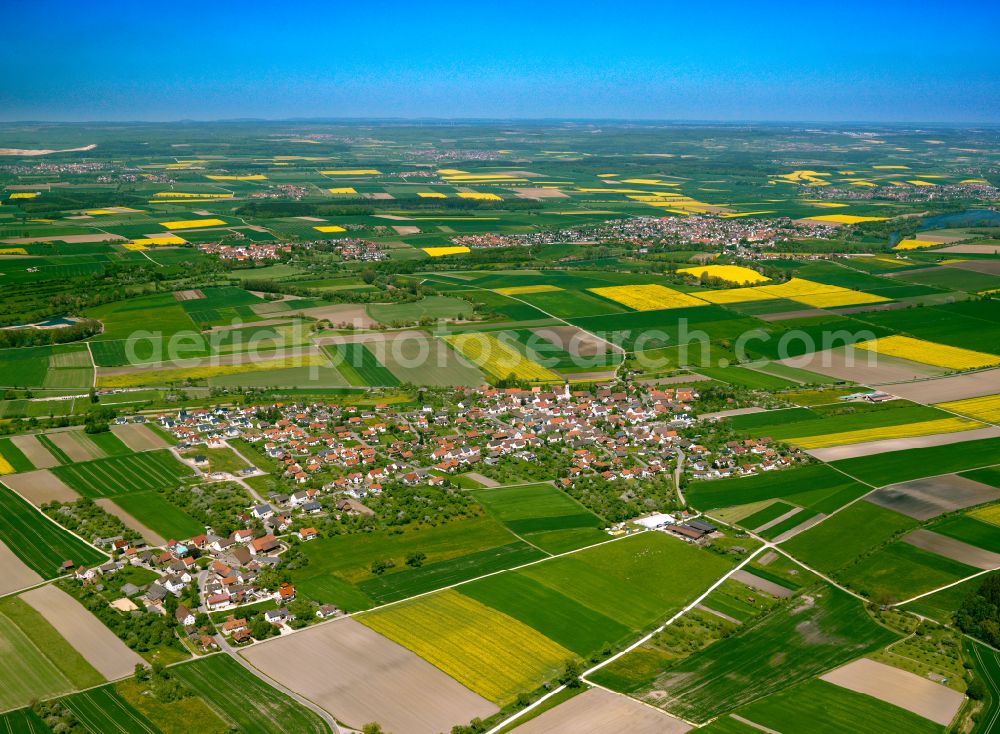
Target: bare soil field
(96, 643)
(70, 239)
(990, 267)
(956, 550)
(574, 340)
(112, 509)
(599, 711)
(540, 193)
(15, 574)
(788, 315)
(755, 582)
(138, 437)
(359, 676)
(341, 314)
(76, 445)
(375, 339)
(845, 363)
(941, 389)
(39, 487)
(34, 451)
(485, 481)
(972, 249)
(189, 295)
(800, 528)
(733, 412)
(899, 688)
(406, 229)
(923, 499)
(869, 448)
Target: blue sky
(667, 60)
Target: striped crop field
(647, 297)
(498, 359)
(907, 430)
(117, 475)
(485, 650)
(925, 352)
(37, 541)
(986, 408)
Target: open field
(939, 355)
(910, 430)
(872, 448)
(124, 474)
(900, 571)
(543, 515)
(901, 466)
(40, 544)
(138, 437)
(103, 710)
(37, 454)
(95, 642)
(823, 708)
(637, 581)
(899, 688)
(498, 359)
(817, 487)
(954, 549)
(598, 711)
(948, 389)
(150, 536)
(485, 650)
(16, 575)
(814, 633)
(923, 499)
(39, 487)
(246, 700)
(359, 676)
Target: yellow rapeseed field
(442, 251)
(479, 196)
(989, 514)
(5, 467)
(352, 172)
(729, 273)
(908, 430)
(925, 352)
(846, 219)
(161, 241)
(13, 251)
(254, 177)
(193, 223)
(187, 195)
(647, 297)
(182, 374)
(498, 359)
(986, 408)
(736, 295)
(485, 650)
(431, 195)
(914, 244)
(839, 298)
(343, 190)
(521, 290)
(24, 195)
(329, 228)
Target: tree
(373, 728)
(571, 674)
(416, 559)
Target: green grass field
(971, 531)
(103, 710)
(942, 605)
(338, 563)
(810, 635)
(37, 541)
(23, 721)
(746, 378)
(901, 571)
(13, 456)
(359, 366)
(544, 516)
(851, 533)
(571, 623)
(252, 705)
(120, 475)
(766, 515)
(824, 708)
(158, 515)
(638, 581)
(816, 487)
(902, 466)
(986, 663)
